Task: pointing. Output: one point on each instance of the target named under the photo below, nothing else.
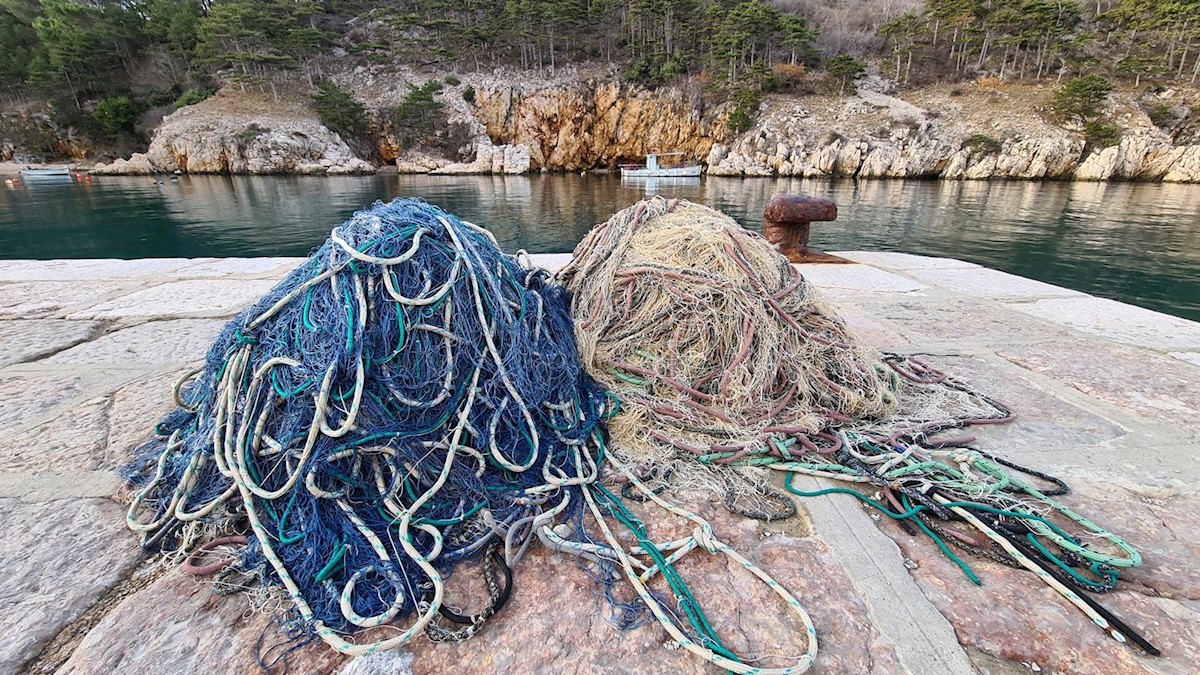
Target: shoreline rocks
(241, 134)
(589, 121)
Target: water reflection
(1134, 242)
(653, 185)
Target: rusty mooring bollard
(786, 223)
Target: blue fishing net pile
(425, 305)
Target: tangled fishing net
(726, 362)
(407, 399)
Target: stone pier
(1107, 397)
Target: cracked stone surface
(134, 411)
(79, 270)
(1026, 621)
(987, 283)
(74, 440)
(1139, 381)
(28, 299)
(98, 434)
(27, 398)
(222, 297)
(1117, 321)
(57, 557)
(156, 343)
(178, 625)
(27, 340)
(1043, 421)
(964, 320)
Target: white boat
(653, 168)
(52, 172)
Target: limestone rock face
(237, 133)
(1146, 156)
(876, 135)
(491, 159)
(1186, 168)
(595, 123)
(137, 165)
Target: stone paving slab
(1141, 382)
(904, 261)
(63, 483)
(96, 434)
(858, 278)
(74, 439)
(988, 283)
(57, 557)
(178, 625)
(1026, 621)
(1117, 321)
(29, 339)
(879, 334)
(27, 398)
(79, 270)
(241, 267)
(1044, 422)
(35, 299)
(153, 343)
(1190, 357)
(217, 297)
(964, 320)
(134, 410)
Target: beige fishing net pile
(726, 363)
(720, 352)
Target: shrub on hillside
(468, 94)
(193, 96)
(745, 105)
(116, 115)
(421, 121)
(983, 145)
(338, 110)
(1081, 98)
(1101, 135)
(843, 70)
(1161, 116)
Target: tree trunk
(983, 50)
(1183, 57)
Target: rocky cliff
(572, 121)
(594, 123)
(587, 120)
(949, 134)
(239, 133)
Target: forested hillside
(111, 68)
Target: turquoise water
(1138, 243)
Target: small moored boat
(50, 172)
(656, 169)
